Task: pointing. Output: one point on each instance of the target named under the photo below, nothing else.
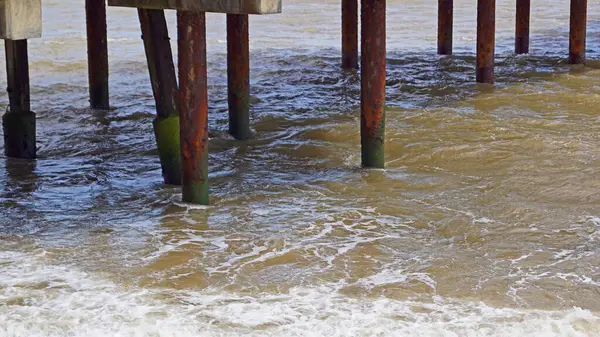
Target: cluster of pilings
(486, 32)
(181, 125)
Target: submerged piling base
(373, 75)
(166, 131)
(193, 88)
(19, 134)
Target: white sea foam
(394, 276)
(39, 299)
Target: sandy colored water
(486, 221)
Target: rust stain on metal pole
(97, 53)
(373, 76)
(238, 75)
(578, 31)
(193, 113)
(445, 23)
(19, 122)
(486, 39)
(350, 34)
(522, 26)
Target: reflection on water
(485, 222)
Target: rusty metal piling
(445, 23)
(238, 75)
(522, 26)
(18, 122)
(350, 34)
(578, 31)
(193, 108)
(486, 39)
(97, 53)
(157, 45)
(373, 76)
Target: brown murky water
(486, 221)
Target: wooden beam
(97, 53)
(349, 34)
(522, 26)
(486, 40)
(445, 23)
(577, 35)
(216, 6)
(166, 93)
(238, 75)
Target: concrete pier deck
(20, 19)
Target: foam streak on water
(485, 221)
(57, 301)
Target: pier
(181, 124)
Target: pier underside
(216, 6)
